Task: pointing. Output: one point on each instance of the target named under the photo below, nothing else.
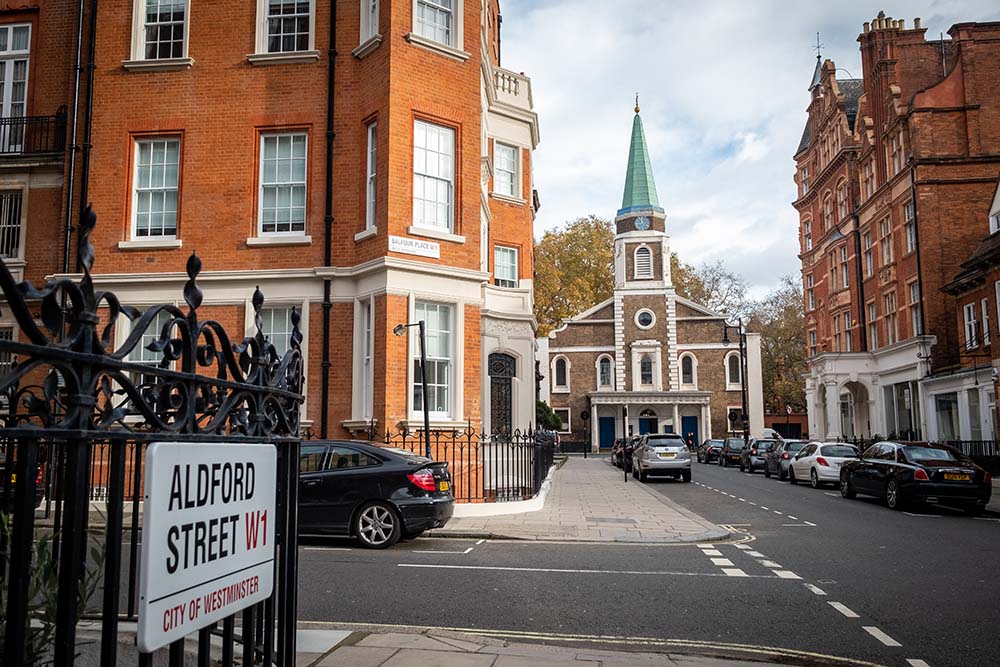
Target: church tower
(645, 308)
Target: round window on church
(645, 319)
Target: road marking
(785, 574)
(835, 495)
(764, 508)
(735, 572)
(711, 552)
(480, 541)
(776, 512)
(770, 563)
(815, 589)
(752, 502)
(468, 550)
(706, 546)
(327, 549)
(742, 500)
(741, 546)
(793, 518)
(843, 610)
(442, 552)
(929, 516)
(756, 554)
(809, 523)
(881, 636)
(722, 561)
(917, 662)
(785, 525)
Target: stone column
(677, 421)
(832, 411)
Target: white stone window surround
(556, 387)
(289, 236)
(506, 271)
(648, 326)
(516, 193)
(138, 60)
(454, 47)
(153, 186)
(567, 423)
(362, 393)
(652, 349)
(693, 384)
(435, 176)
(12, 236)
(609, 361)
(371, 174)
(642, 263)
(456, 386)
(732, 383)
(262, 56)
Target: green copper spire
(640, 189)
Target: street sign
(585, 415)
(734, 415)
(207, 536)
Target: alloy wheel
(892, 497)
(376, 525)
(813, 479)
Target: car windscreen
(734, 443)
(921, 454)
(843, 451)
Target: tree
(574, 270)
(711, 285)
(779, 320)
(545, 418)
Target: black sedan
(901, 474)
(374, 494)
(39, 483)
(709, 451)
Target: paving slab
(358, 656)
(409, 657)
(589, 501)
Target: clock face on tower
(642, 223)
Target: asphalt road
(927, 582)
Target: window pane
(434, 20)
(287, 26)
(164, 29)
(283, 184)
(155, 187)
(437, 320)
(433, 160)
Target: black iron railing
(982, 448)
(21, 135)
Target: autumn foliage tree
(779, 320)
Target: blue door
(647, 425)
(606, 431)
(689, 425)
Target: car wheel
(377, 526)
(642, 476)
(686, 475)
(791, 476)
(724, 462)
(742, 467)
(893, 495)
(767, 472)
(814, 479)
(846, 488)
(781, 473)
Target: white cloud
(722, 86)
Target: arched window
(645, 370)
(733, 371)
(561, 373)
(689, 378)
(643, 262)
(604, 380)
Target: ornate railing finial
(295, 341)
(257, 301)
(193, 293)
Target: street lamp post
(399, 330)
(742, 338)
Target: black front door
(502, 368)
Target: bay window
(505, 266)
(439, 332)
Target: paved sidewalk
(440, 648)
(589, 501)
(994, 504)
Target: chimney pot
(867, 27)
(916, 23)
(902, 24)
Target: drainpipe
(71, 173)
(916, 239)
(859, 271)
(328, 227)
(89, 117)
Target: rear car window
(794, 446)
(929, 454)
(665, 441)
(839, 450)
(344, 457)
(410, 457)
(734, 443)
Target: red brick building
(365, 161)
(896, 172)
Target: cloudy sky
(722, 85)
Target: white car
(820, 462)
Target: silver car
(661, 454)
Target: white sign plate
(207, 536)
(414, 247)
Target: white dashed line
(881, 636)
(752, 502)
(809, 523)
(467, 550)
(843, 610)
(776, 512)
(712, 552)
(742, 547)
(835, 495)
(734, 572)
(917, 662)
(756, 554)
(742, 500)
(815, 589)
(785, 574)
(793, 518)
(480, 542)
(722, 562)
(706, 546)
(770, 563)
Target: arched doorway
(854, 414)
(502, 370)
(647, 422)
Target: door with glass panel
(15, 44)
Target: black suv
(732, 448)
(709, 451)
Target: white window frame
(841, 201)
(836, 333)
(730, 385)
(507, 281)
(565, 425)
(889, 307)
(611, 372)
(262, 55)
(909, 227)
(845, 278)
(885, 226)
(916, 318)
(872, 325)
(693, 385)
(813, 343)
(828, 210)
(12, 137)
(268, 320)
(985, 311)
(302, 306)
(995, 222)
(364, 346)
(514, 172)
(139, 35)
(136, 148)
(21, 227)
(969, 320)
(454, 368)
(804, 180)
(456, 39)
(640, 312)
(291, 233)
(647, 357)
(556, 387)
(421, 153)
(810, 292)
(370, 10)
(371, 175)
(647, 274)
(869, 255)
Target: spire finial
(637, 102)
(819, 48)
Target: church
(648, 360)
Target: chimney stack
(916, 23)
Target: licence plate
(667, 455)
(13, 477)
(444, 486)
(952, 477)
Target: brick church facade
(648, 360)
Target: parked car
(39, 483)
(731, 450)
(663, 454)
(753, 456)
(709, 451)
(901, 474)
(780, 456)
(377, 495)
(616, 452)
(820, 463)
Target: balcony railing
(23, 135)
(514, 89)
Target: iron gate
(502, 369)
(72, 397)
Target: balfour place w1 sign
(207, 536)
